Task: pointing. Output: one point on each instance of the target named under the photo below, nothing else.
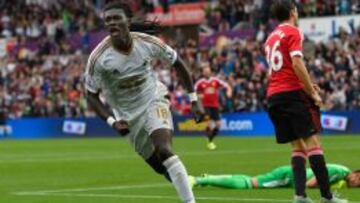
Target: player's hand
(229, 93)
(317, 99)
(198, 111)
(121, 127)
(317, 88)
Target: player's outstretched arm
(185, 77)
(94, 101)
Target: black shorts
(213, 113)
(294, 115)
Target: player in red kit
(294, 102)
(208, 89)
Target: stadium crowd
(47, 82)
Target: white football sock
(179, 178)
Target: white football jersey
(127, 80)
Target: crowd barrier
(233, 124)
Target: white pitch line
(104, 156)
(72, 193)
(131, 156)
(119, 187)
(222, 199)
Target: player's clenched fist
(121, 127)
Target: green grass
(103, 164)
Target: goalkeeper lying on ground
(340, 176)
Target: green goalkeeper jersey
(283, 176)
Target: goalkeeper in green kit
(340, 176)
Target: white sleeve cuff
(193, 96)
(296, 53)
(110, 121)
(174, 58)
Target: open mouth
(114, 32)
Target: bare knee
(156, 164)
(162, 144)
(163, 151)
(312, 142)
(299, 145)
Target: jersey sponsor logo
(132, 82)
(210, 90)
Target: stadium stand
(46, 82)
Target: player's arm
(303, 75)
(100, 109)
(185, 77)
(184, 74)
(93, 98)
(227, 88)
(228, 91)
(295, 47)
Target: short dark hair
(281, 9)
(113, 4)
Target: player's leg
(318, 165)
(311, 126)
(225, 181)
(160, 127)
(213, 127)
(175, 168)
(157, 165)
(283, 113)
(210, 134)
(298, 165)
(210, 123)
(215, 123)
(276, 178)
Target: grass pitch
(107, 170)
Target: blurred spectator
(46, 82)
